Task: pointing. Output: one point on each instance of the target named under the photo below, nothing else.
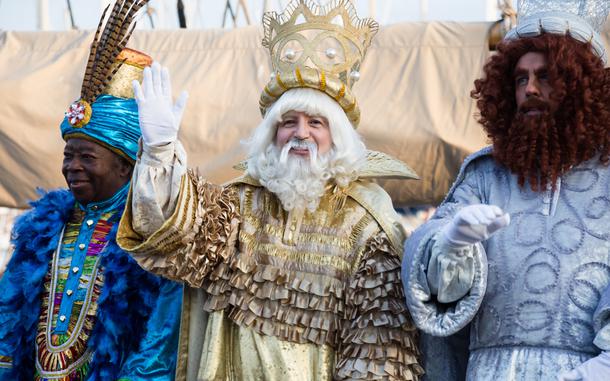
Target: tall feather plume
(98, 66)
(118, 38)
(91, 59)
(107, 44)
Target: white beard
(298, 182)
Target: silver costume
(536, 295)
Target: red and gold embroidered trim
(65, 357)
(6, 362)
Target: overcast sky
(24, 14)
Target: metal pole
(181, 16)
(149, 11)
(372, 8)
(224, 15)
(71, 14)
(229, 8)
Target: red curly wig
(540, 149)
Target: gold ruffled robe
(287, 296)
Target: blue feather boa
(127, 296)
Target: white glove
(596, 369)
(159, 118)
(474, 223)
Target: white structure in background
(54, 15)
(43, 15)
(7, 217)
(423, 10)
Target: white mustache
(311, 147)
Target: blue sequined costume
(112, 320)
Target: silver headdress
(582, 19)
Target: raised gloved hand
(159, 116)
(595, 369)
(474, 223)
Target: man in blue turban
(74, 306)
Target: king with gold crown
(293, 269)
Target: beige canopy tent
(414, 96)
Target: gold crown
(319, 47)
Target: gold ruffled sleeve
(378, 338)
(199, 234)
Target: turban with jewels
(111, 120)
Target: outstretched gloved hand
(595, 369)
(159, 116)
(474, 223)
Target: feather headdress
(110, 39)
(107, 45)
(106, 112)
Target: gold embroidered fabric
(330, 279)
(239, 353)
(195, 237)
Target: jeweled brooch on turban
(79, 113)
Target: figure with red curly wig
(510, 279)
